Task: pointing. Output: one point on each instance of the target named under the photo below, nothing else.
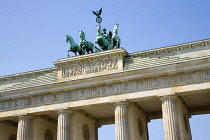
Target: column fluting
(121, 121)
(23, 131)
(170, 118)
(63, 127)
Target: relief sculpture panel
(91, 67)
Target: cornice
(26, 74)
(169, 49)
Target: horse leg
(117, 43)
(91, 50)
(68, 53)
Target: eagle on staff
(98, 17)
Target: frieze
(91, 67)
(106, 90)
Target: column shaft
(23, 132)
(63, 129)
(121, 121)
(96, 131)
(170, 119)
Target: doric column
(23, 131)
(96, 131)
(170, 118)
(121, 121)
(63, 128)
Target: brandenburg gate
(73, 99)
(108, 86)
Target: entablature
(169, 77)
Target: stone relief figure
(81, 94)
(141, 84)
(190, 77)
(157, 81)
(3, 106)
(15, 104)
(173, 80)
(96, 91)
(68, 95)
(28, 102)
(111, 89)
(125, 86)
(54, 98)
(41, 99)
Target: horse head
(82, 35)
(67, 36)
(115, 30)
(69, 39)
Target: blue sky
(32, 34)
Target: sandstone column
(170, 118)
(121, 121)
(23, 132)
(63, 128)
(96, 131)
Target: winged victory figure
(98, 17)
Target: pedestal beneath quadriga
(90, 65)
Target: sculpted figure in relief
(68, 95)
(81, 94)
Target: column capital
(97, 125)
(168, 97)
(65, 110)
(25, 117)
(121, 103)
